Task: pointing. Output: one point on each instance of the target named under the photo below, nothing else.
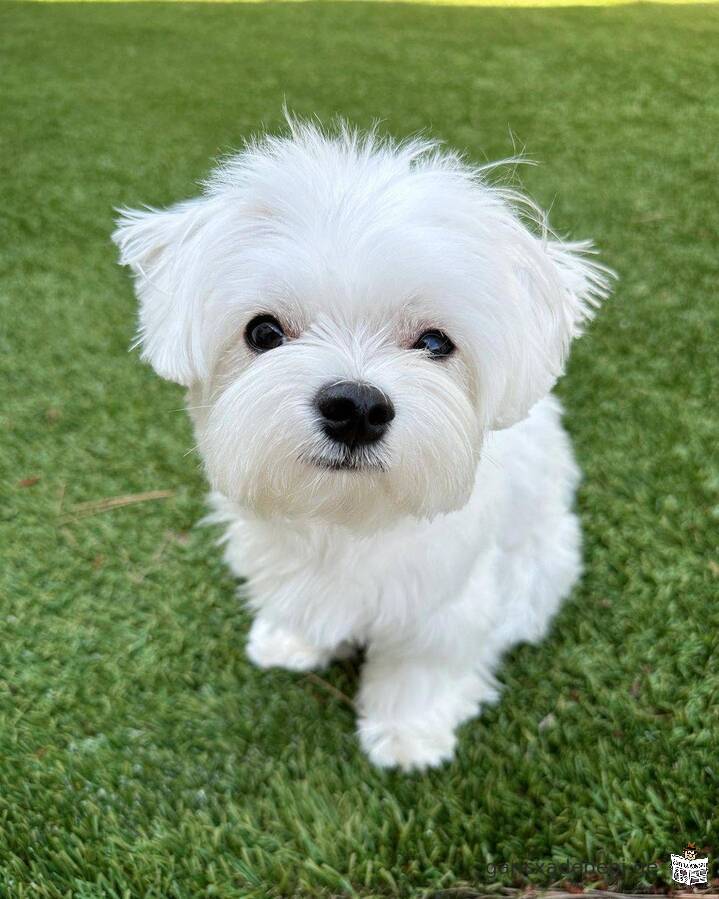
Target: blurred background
(140, 754)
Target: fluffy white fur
(456, 539)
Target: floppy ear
(163, 248)
(555, 290)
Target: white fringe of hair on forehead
(346, 144)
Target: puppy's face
(325, 401)
(351, 319)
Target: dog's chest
(333, 585)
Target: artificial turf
(140, 753)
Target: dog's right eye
(264, 333)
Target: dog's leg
(410, 708)
(271, 646)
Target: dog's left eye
(264, 333)
(436, 343)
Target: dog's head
(352, 316)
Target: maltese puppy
(369, 332)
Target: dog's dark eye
(264, 333)
(436, 343)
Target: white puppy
(369, 332)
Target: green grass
(140, 754)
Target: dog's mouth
(349, 460)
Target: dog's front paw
(275, 647)
(409, 746)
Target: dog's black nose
(354, 413)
